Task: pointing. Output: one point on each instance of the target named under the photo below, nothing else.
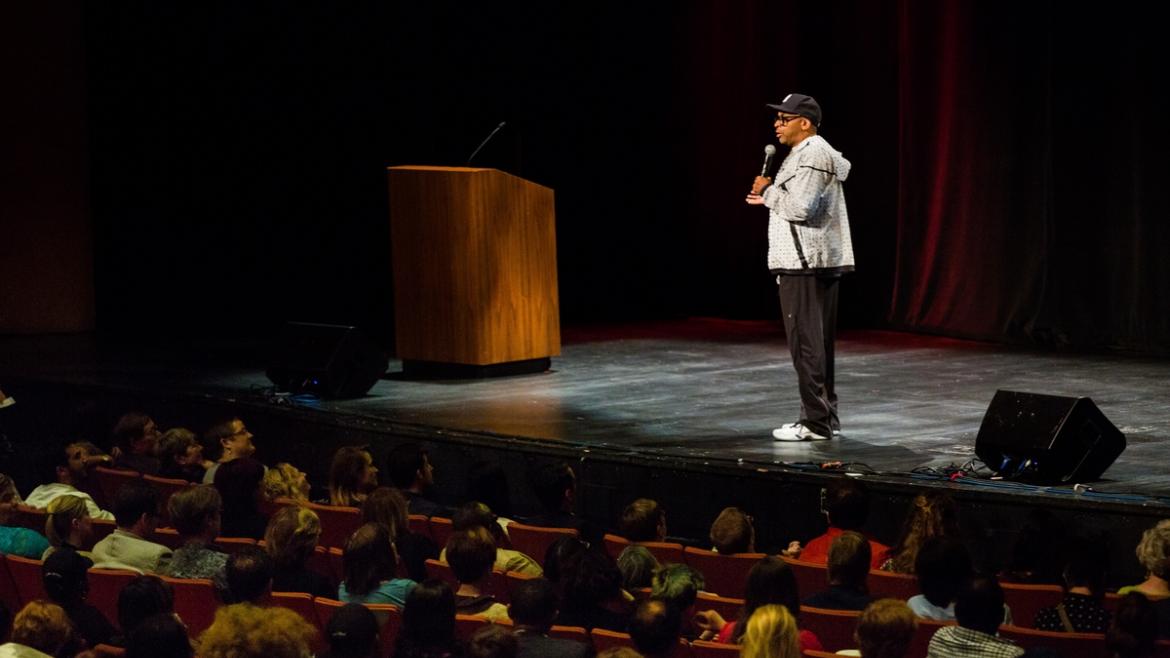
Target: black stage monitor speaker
(326, 360)
(1047, 439)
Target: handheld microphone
(769, 151)
(488, 139)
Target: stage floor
(702, 390)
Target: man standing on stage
(809, 248)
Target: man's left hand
(755, 200)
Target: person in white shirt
(63, 471)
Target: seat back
(890, 585)
(725, 575)
(166, 487)
(337, 523)
(302, 604)
(728, 608)
(104, 587)
(1027, 600)
(195, 602)
(32, 518)
(704, 649)
(1066, 644)
(811, 577)
(834, 628)
(605, 639)
(440, 530)
(569, 633)
(231, 545)
(110, 480)
(26, 576)
(419, 524)
(497, 584)
(467, 625)
(921, 640)
(663, 551)
(8, 596)
(108, 651)
(168, 537)
(534, 541)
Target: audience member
(195, 513)
(410, 470)
(136, 441)
(885, 629)
(67, 584)
(290, 540)
(247, 631)
(654, 628)
(224, 442)
(845, 504)
(64, 471)
(352, 632)
(563, 551)
(979, 610)
(620, 652)
(592, 592)
(534, 608)
(1081, 610)
(471, 554)
(140, 599)
(249, 576)
(637, 565)
(285, 481)
(848, 568)
(136, 513)
(492, 641)
(732, 532)
(238, 482)
(159, 636)
(678, 585)
(770, 633)
(40, 629)
(1153, 552)
(643, 520)
(387, 506)
(488, 483)
(931, 515)
(15, 540)
(478, 515)
(555, 486)
(180, 455)
(1134, 628)
(352, 476)
(370, 565)
(942, 566)
(428, 623)
(68, 525)
(771, 581)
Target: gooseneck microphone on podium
(488, 139)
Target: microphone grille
(769, 150)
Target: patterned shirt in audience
(959, 642)
(196, 560)
(1085, 614)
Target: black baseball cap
(805, 106)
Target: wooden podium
(475, 272)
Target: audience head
(534, 604)
(292, 536)
(1085, 566)
(560, 555)
(141, 598)
(369, 559)
(70, 464)
(1133, 629)
(847, 503)
(619, 652)
(771, 581)
(555, 486)
(979, 605)
(387, 506)
(1153, 551)
(476, 515)
(931, 515)
(643, 520)
(195, 511)
(352, 632)
(351, 476)
(136, 434)
(471, 554)
(637, 565)
(159, 636)
(943, 565)
(654, 627)
(64, 576)
(178, 447)
(771, 633)
(238, 482)
(732, 532)
(590, 579)
(228, 439)
(136, 507)
(43, 626)
(285, 481)
(848, 563)
(68, 522)
(678, 585)
(248, 631)
(885, 629)
(488, 483)
(409, 467)
(493, 641)
(249, 575)
(428, 618)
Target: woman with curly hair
(931, 515)
(1153, 552)
(290, 539)
(285, 481)
(247, 631)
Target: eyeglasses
(784, 121)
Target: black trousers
(809, 306)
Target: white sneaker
(796, 432)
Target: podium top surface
(435, 168)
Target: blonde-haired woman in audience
(247, 631)
(1153, 551)
(771, 633)
(285, 481)
(387, 506)
(291, 539)
(68, 525)
(931, 515)
(352, 476)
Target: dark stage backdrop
(1006, 156)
